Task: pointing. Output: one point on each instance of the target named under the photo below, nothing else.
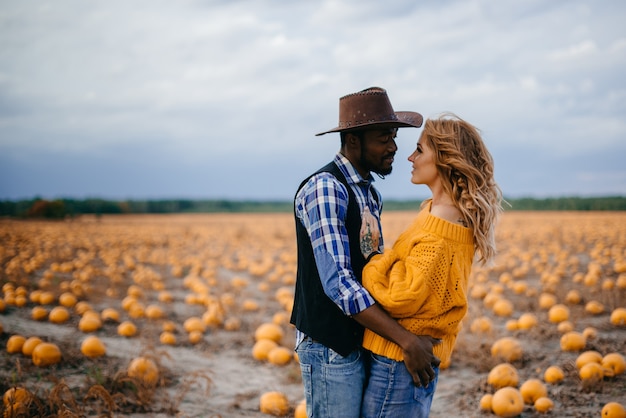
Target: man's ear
(353, 140)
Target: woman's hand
(370, 233)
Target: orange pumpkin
(553, 374)
(144, 369)
(93, 347)
(558, 313)
(46, 298)
(613, 410)
(15, 343)
(46, 354)
(502, 375)
(481, 325)
(588, 357)
(573, 341)
(591, 372)
(194, 324)
(195, 337)
(280, 318)
(250, 305)
(546, 300)
(543, 404)
(232, 324)
(261, 349)
(214, 315)
(590, 333)
(169, 326)
(512, 325)
(68, 300)
(167, 338)
(274, 403)
(16, 395)
(533, 389)
(614, 362)
(280, 356)
(507, 348)
(527, 321)
(90, 323)
(507, 402)
(594, 307)
(485, 402)
(618, 317)
(81, 307)
(565, 327)
(110, 315)
(573, 297)
(127, 329)
(503, 307)
(154, 312)
(59, 315)
(29, 345)
(135, 291)
(16, 401)
(300, 411)
(39, 313)
(128, 302)
(165, 297)
(269, 331)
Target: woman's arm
(401, 284)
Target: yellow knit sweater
(422, 282)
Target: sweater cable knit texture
(422, 282)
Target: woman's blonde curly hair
(462, 159)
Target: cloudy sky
(208, 99)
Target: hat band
(347, 124)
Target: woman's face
(424, 169)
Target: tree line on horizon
(68, 208)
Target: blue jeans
(390, 391)
(333, 385)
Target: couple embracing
(374, 325)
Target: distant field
(63, 208)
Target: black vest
(314, 313)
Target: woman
(422, 280)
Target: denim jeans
(390, 391)
(333, 385)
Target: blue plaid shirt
(322, 206)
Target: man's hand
(370, 233)
(417, 349)
(420, 360)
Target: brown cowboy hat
(371, 108)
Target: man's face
(378, 148)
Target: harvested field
(235, 272)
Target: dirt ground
(218, 377)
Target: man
(331, 307)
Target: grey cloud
(208, 88)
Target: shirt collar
(348, 170)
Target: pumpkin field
(187, 315)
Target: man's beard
(383, 171)
(377, 168)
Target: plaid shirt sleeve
(321, 206)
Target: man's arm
(324, 197)
(417, 349)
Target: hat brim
(405, 120)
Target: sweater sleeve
(401, 284)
